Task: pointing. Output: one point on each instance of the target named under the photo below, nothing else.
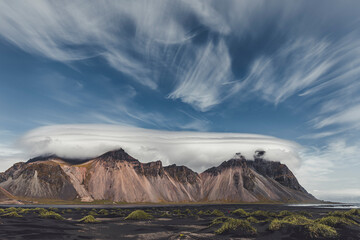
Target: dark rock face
(11, 172)
(241, 162)
(40, 180)
(182, 174)
(119, 154)
(277, 171)
(150, 169)
(248, 180)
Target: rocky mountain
(119, 177)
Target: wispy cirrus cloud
(192, 41)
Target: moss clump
(39, 210)
(89, 219)
(217, 213)
(275, 225)
(177, 212)
(238, 226)
(188, 212)
(318, 230)
(93, 213)
(207, 212)
(165, 214)
(252, 220)
(218, 220)
(138, 215)
(12, 215)
(240, 212)
(103, 212)
(295, 220)
(12, 209)
(354, 212)
(24, 210)
(284, 213)
(334, 221)
(314, 229)
(51, 215)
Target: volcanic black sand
(176, 222)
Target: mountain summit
(119, 177)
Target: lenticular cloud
(198, 150)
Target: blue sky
(279, 68)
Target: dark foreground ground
(180, 222)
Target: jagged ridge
(117, 176)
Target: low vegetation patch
(218, 220)
(12, 215)
(51, 215)
(296, 220)
(217, 213)
(240, 212)
(237, 226)
(24, 210)
(138, 215)
(39, 210)
(165, 214)
(93, 212)
(284, 213)
(312, 228)
(252, 220)
(103, 212)
(334, 221)
(318, 230)
(89, 219)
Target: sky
(187, 82)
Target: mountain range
(116, 176)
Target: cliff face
(119, 177)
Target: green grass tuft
(166, 215)
(252, 220)
(217, 213)
(51, 215)
(296, 220)
(240, 212)
(285, 213)
(93, 212)
(11, 209)
(241, 227)
(218, 220)
(275, 225)
(12, 215)
(138, 215)
(89, 219)
(318, 230)
(103, 212)
(334, 221)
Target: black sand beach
(167, 222)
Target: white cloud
(347, 116)
(297, 65)
(330, 169)
(203, 74)
(194, 149)
(134, 37)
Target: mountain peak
(118, 154)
